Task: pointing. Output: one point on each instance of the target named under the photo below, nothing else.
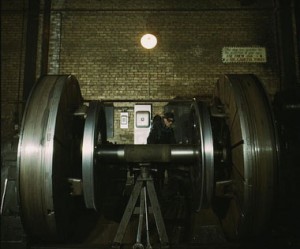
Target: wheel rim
(94, 135)
(202, 175)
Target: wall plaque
(244, 55)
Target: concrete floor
(209, 235)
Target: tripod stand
(143, 184)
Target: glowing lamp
(148, 41)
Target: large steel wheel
(48, 155)
(245, 205)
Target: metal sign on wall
(244, 55)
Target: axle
(142, 153)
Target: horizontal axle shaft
(142, 153)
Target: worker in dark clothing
(162, 131)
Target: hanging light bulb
(148, 41)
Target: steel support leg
(160, 225)
(128, 213)
(144, 183)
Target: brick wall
(102, 49)
(99, 42)
(13, 23)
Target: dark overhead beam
(31, 47)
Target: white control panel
(142, 123)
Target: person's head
(168, 119)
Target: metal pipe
(147, 222)
(141, 153)
(3, 195)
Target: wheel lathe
(231, 156)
